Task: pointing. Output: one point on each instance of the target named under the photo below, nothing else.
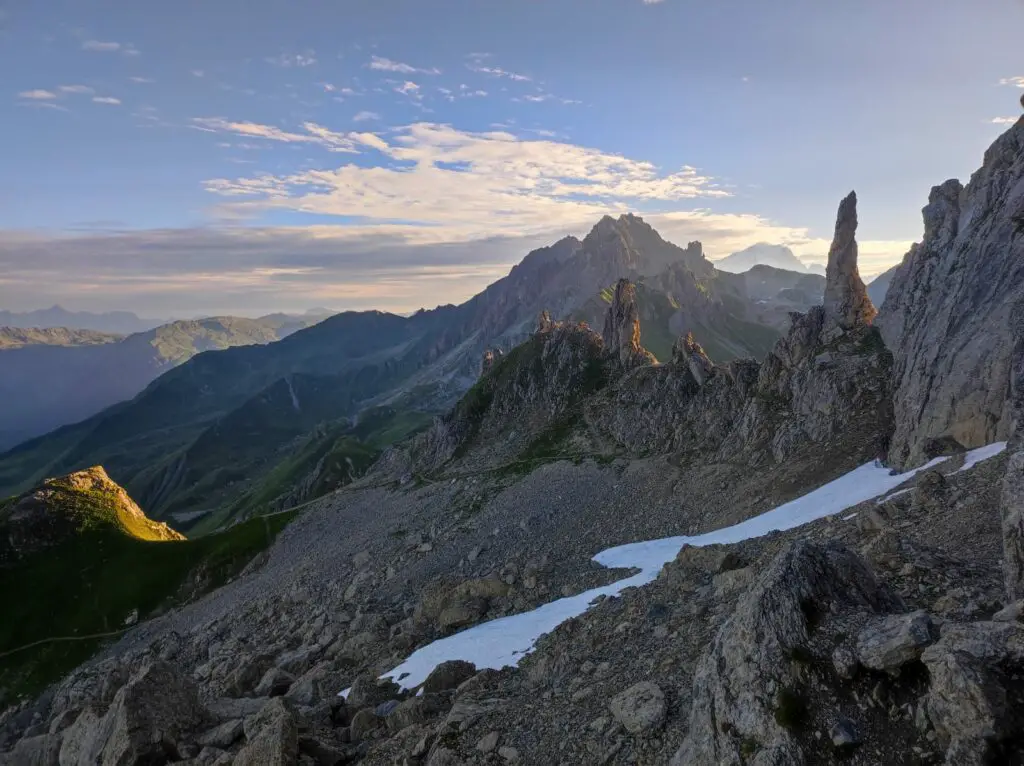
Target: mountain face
(202, 435)
(117, 322)
(951, 315)
(63, 508)
(879, 286)
(59, 376)
(761, 254)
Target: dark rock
(448, 676)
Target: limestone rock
(271, 737)
(736, 684)
(687, 351)
(888, 643)
(1012, 510)
(953, 377)
(621, 334)
(640, 708)
(448, 676)
(846, 298)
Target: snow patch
(980, 455)
(507, 640)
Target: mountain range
(59, 376)
(198, 437)
(765, 254)
(117, 322)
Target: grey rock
(369, 691)
(1011, 613)
(509, 754)
(687, 351)
(640, 708)
(384, 709)
(1012, 512)
(844, 734)
(41, 750)
(448, 675)
(488, 742)
(228, 708)
(736, 684)
(621, 334)
(953, 379)
(893, 641)
(271, 737)
(275, 683)
(844, 660)
(364, 724)
(417, 710)
(78, 744)
(846, 298)
(222, 736)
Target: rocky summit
(598, 554)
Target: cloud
(653, 2)
(498, 72)
(365, 116)
(37, 95)
(142, 80)
(107, 100)
(387, 65)
(1005, 120)
(97, 46)
(300, 60)
(410, 89)
(198, 73)
(76, 89)
(1017, 82)
(453, 185)
(315, 134)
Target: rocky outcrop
(621, 334)
(949, 315)
(687, 351)
(747, 677)
(1012, 510)
(846, 298)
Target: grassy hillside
(19, 337)
(111, 568)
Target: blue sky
(242, 156)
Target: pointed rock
(622, 326)
(545, 323)
(687, 351)
(846, 298)
(491, 357)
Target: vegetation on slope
(110, 571)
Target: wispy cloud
(410, 89)
(1017, 82)
(653, 2)
(458, 185)
(142, 80)
(388, 65)
(365, 116)
(1005, 120)
(84, 90)
(300, 60)
(314, 134)
(198, 73)
(37, 95)
(99, 46)
(498, 72)
(107, 100)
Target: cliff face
(948, 316)
(825, 384)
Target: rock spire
(846, 298)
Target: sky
(247, 156)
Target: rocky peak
(688, 352)
(622, 326)
(545, 323)
(942, 213)
(491, 357)
(846, 298)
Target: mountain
(59, 376)
(18, 337)
(777, 293)
(117, 322)
(879, 286)
(204, 434)
(94, 563)
(951, 315)
(779, 256)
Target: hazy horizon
(172, 161)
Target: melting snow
(982, 453)
(507, 640)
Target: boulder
(893, 641)
(369, 691)
(640, 708)
(448, 675)
(271, 737)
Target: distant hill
(762, 254)
(879, 286)
(19, 337)
(119, 322)
(59, 376)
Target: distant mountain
(19, 337)
(58, 376)
(119, 322)
(205, 434)
(778, 292)
(764, 254)
(879, 286)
